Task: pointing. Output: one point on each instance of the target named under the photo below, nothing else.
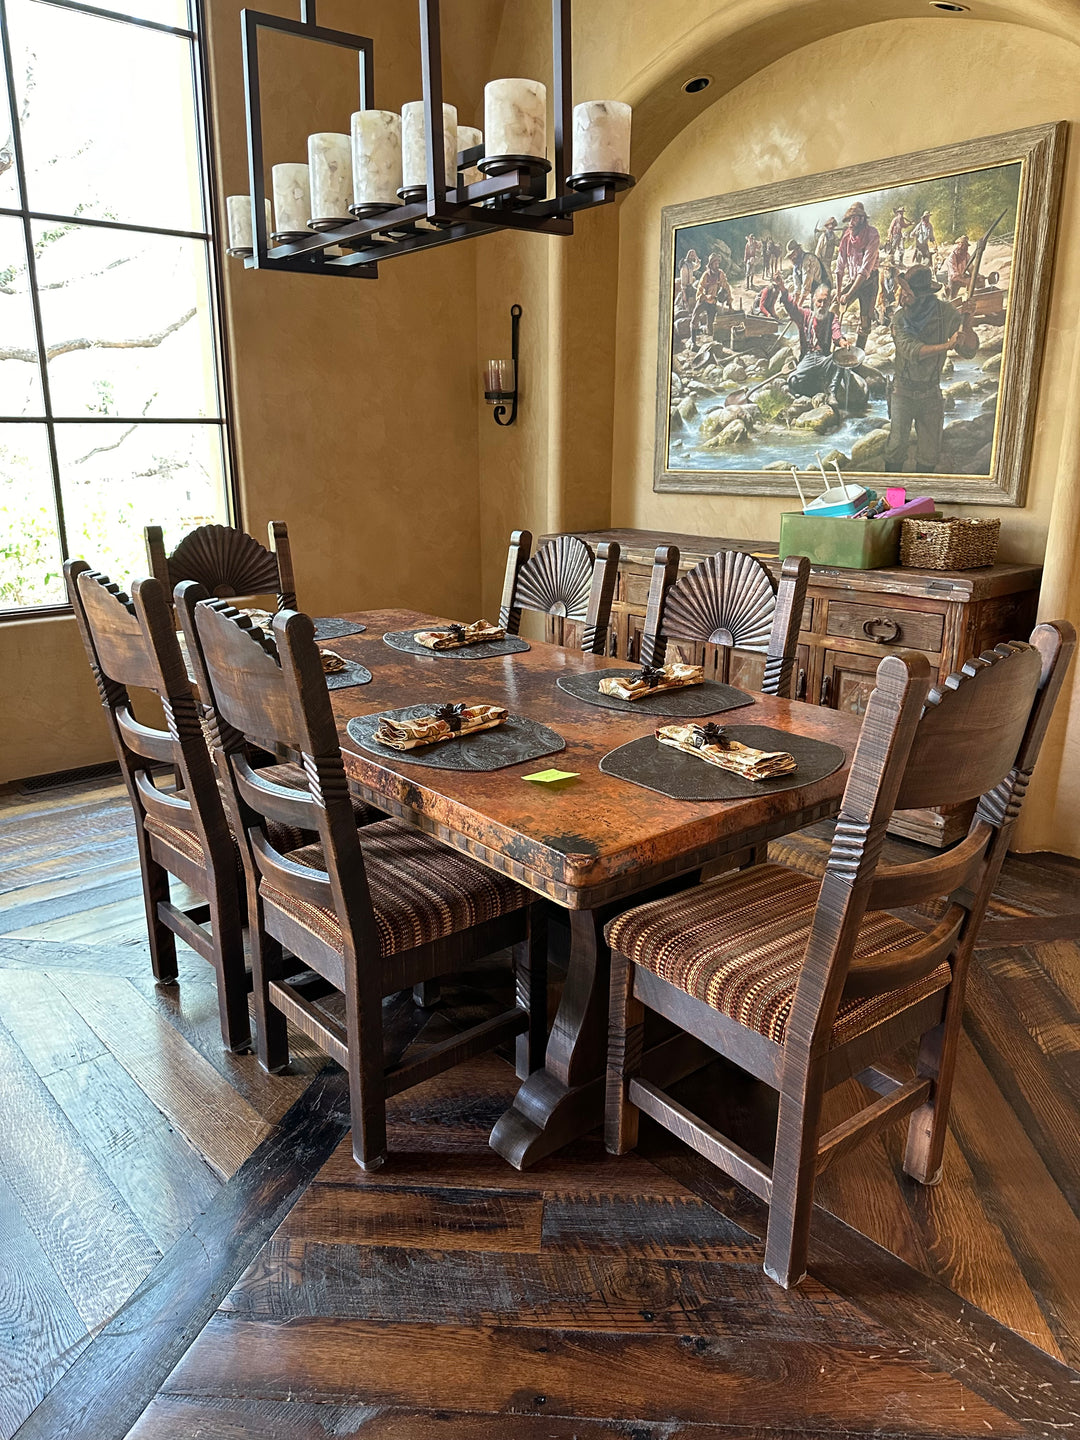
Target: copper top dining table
(590, 844)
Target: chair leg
(794, 1173)
(367, 1090)
(228, 932)
(271, 1031)
(626, 1032)
(929, 1125)
(531, 991)
(155, 884)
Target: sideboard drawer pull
(883, 630)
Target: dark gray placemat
(353, 674)
(708, 698)
(403, 640)
(512, 743)
(329, 627)
(680, 776)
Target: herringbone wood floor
(186, 1240)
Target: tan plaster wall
(50, 715)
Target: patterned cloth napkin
(332, 663)
(264, 619)
(652, 679)
(446, 722)
(709, 742)
(453, 637)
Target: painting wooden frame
(1039, 152)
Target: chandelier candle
(241, 240)
(515, 123)
(602, 138)
(292, 202)
(468, 137)
(414, 149)
(330, 165)
(376, 161)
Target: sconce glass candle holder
(501, 377)
(499, 381)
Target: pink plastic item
(922, 505)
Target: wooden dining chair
(183, 831)
(226, 562)
(371, 911)
(565, 582)
(806, 982)
(730, 601)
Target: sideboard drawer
(911, 629)
(636, 591)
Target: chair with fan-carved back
(227, 563)
(728, 602)
(808, 981)
(565, 582)
(371, 910)
(181, 832)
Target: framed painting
(886, 320)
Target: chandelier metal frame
(514, 200)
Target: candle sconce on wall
(501, 376)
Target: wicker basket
(950, 544)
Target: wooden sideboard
(851, 619)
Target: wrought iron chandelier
(403, 183)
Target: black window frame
(195, 33)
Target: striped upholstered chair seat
(737, 944)
(421, 891)
(282, 837)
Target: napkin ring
(450, 714)
(711, 734)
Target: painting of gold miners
(884, 320)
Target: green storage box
(840, 540)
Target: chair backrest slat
(276, 802)
(144, 740)
(302, 881)
(118, 640)
(249, 690)
(228, 563)
(731, 601)
(941, 874)
(970, 735)
(563, 580)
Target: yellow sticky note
(551, 777)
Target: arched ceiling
(643, 51)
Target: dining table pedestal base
(565, 1099)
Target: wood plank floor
(447, 1295)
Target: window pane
(165, 12)
(110, 125)
(30, 560)
(9, 186)
(20, 384)
(127, 322)
(117, 478)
